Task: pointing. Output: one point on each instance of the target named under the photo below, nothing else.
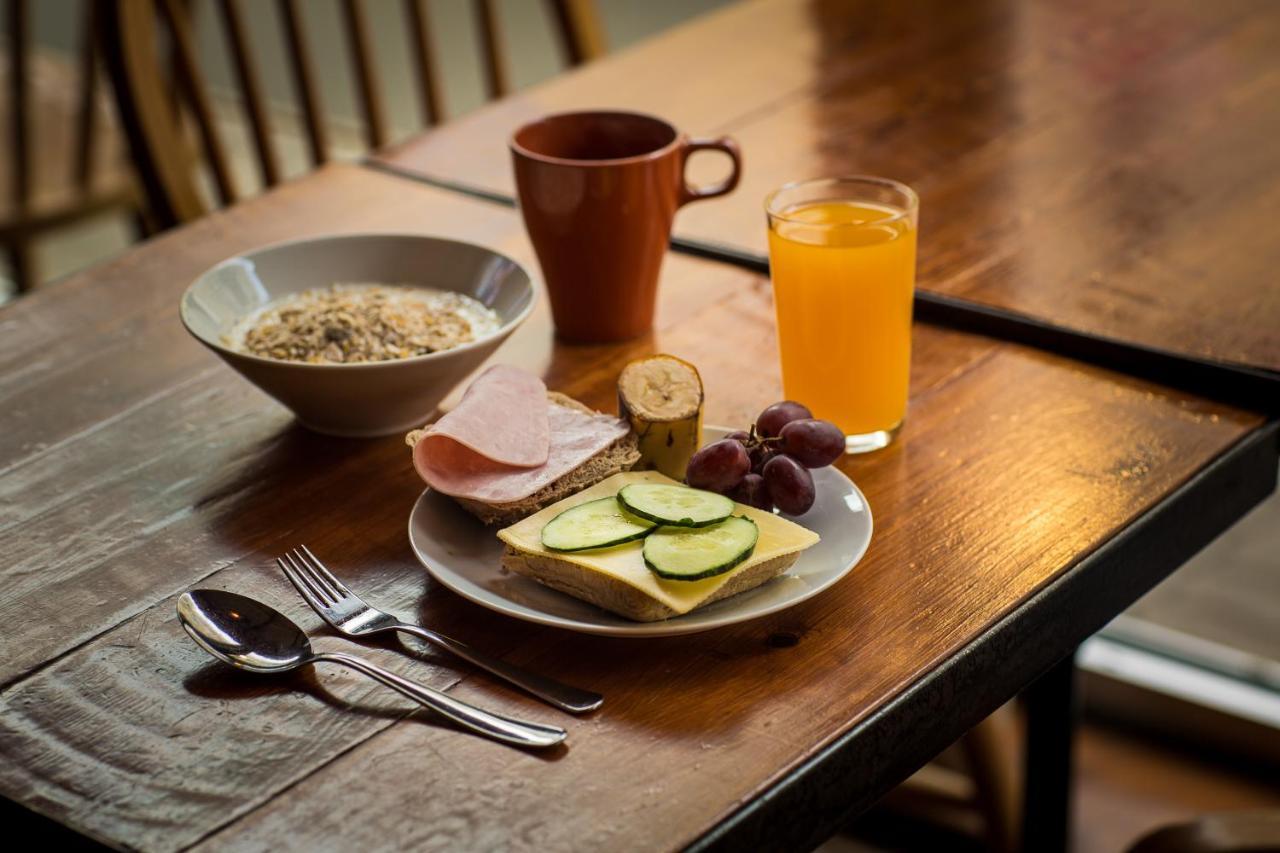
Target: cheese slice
(626, 562)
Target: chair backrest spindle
(246, 69)
(424, 53)
(19, 80)
(375, 123)
(579, 29)
(497, 80)
(192, 81)
(304, 79)
(82, 166)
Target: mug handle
(689, 192)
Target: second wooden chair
(136, 33)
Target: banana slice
(661, 396)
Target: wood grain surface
(136, 466)
(1107, 167)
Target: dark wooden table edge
(850, 774)
(1235, 384)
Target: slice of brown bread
(622, 455)
(618, 597)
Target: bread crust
(621, 455)
(621, 598)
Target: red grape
(790, 485)
(812, 443)
(740, 436)
(753, 491)
(774, 418)
(718, 467)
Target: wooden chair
(162, 154)
(57, 171)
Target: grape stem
(754, 441)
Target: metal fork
(347, 613)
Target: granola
(350, 323)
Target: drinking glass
(842, 256)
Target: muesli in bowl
(352, 323)
(306, 322)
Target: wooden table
(1029, 500)
(1095, 177)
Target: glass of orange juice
(842, 256)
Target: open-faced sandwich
(646, 547)
(511, 447)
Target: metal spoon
(250, 635)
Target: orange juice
(843, 273)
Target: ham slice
(468, 453)
(502, 417)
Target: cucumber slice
(680, 506)
(694, 553)
(595, 524)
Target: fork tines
(311, 578)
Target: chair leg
(990, 752)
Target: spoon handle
(563, 696)
(496, 726)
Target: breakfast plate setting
(540, 509)
(464, 556)
(638, 522)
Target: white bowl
(367, 398)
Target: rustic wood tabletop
(1029, 500)
(1105, 169)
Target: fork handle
(487, 723)
(571, 699)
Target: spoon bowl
(242, 632)
(249, 635)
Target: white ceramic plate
(465, 556)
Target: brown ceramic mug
(598, 191)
